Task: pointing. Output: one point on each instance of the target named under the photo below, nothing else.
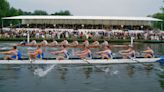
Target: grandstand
(85, 22)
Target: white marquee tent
(94, 20)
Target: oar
(137, 61)
(149, 67)
(94, 66)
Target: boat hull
(79, 61)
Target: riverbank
(81, 40)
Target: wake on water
(41, 73)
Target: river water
(73, 78)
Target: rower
(63, 53)
(105, 43)
(86, 43)
(129, 53)
(106, 53)
(64, 42)
(36, 54)
(32, 43)
(74, 43)
(13, 54)
(95, 43)
(44, 43)
(85, 54)
(149, 53)
(54, 43)
(23, 43)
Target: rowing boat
(80, 61)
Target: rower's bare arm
(35, 53)
(60, 52)
(99, 52)
(53, 52)
(82, 54)
(6, 52)
(147, 51)
(118, 46)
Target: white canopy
(85, 18)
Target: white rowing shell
(78, 61)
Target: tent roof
(85, 18)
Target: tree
(12, 12)
(63, 13)
(27, 13)
(39, 12)
(20, 12)
(159, 15)
(7, 11)
(4, 8)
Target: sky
(92, 7)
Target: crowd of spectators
(83, 33)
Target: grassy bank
(81, 40)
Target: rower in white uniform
(44, 43)
(85, 53)
(148, 53)
(24, 43)
(62, 54)
(105, 43)
(129, 53)
(54, 43)
(64, 42)
(86, 43)
(95, 43)
(74, 43)
(106, 53)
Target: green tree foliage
(13, 12)
(39, 12)
(63, 13)
(159, 15)
(4, 8)
(7, 11)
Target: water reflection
(63, 72)
(161, 76)
(161, 81)
(9, 72)
(87, 71)
(130, 70)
